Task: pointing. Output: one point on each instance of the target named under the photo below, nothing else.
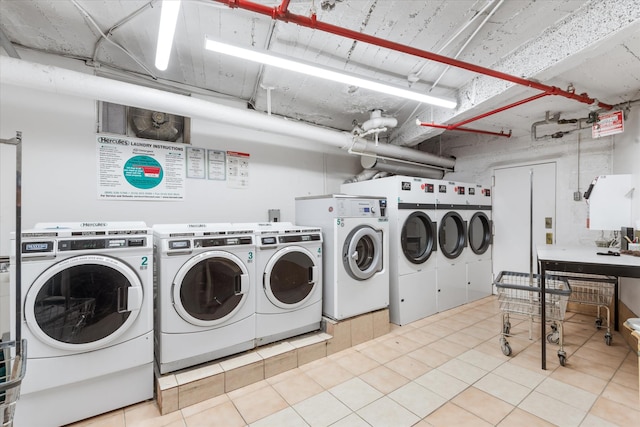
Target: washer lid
(210, 288)
(362, 252)
(83, 303)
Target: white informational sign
(237, 169)
(196, 163)
(138, 169)
(608, 124)
(216, 164)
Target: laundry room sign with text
(137, 169)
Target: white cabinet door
(512, 222)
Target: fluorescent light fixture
(168, 19)
(298, 66)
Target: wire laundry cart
(519, 293)
(596, 290)
(13, 365)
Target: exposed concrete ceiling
(593, 45)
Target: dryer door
(290, 277)
(479, 233)
(418, 237)
(362, 252)
(452, 235)
(83, 303)
(210, 288)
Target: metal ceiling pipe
(459, 128)
(386, 165)
(17, 72)
(282, 14)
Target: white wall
(478, 155)
(59, 181)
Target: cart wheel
(506, 348)
(553, 337)
(598, 322)
(563, 359)
(506, 328)
(608, 338)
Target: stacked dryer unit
(205, 293)
(290, 280)
(87, 316)
(451, 210)
(356, 251)
(480, 234)
(412, 243)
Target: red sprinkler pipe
(448, 127)
(281, 13)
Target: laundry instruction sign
(608, 124)
(138, 169)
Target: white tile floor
(444, 370)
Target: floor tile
(552, 410)
(463, 371)
(502, 388)
(626, 379)
(355, 393)
(357, 363)
(321, 410)
(615, 412)
(520, 418)
(381, 352)
(520, 375)
(442, 384)
(429, 356)
(110, 419)
(224, 415)
(587, 382)
(384, 379)
(621, 394)
(448, 347)
(481, 360)
(408, 367)
(452, 415)
(592, 421)
(287, 417)
(329, 374)
(571, 395)
(352, 420)
(298, 388)
(385, 412)
(483, 405)
(417, 399)
(259, 404)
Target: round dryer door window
(210, 288)
(362, 252)
(84, 302)
(452, 235)
(479, 233)
(418, 237)
(290, 277)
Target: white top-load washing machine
(289, 267)
(356, 251)
(480, 233)
(413, 242)
(451, 209)
(205, 293)
(87, 316)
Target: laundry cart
(519, 293)
(13, 365)
(595, 290)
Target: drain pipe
(17, 72)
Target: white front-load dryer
(451, 267)
(356, 251)
(289, 264)
(412, 243)
(87, 315)
(480, 236)
(205, 293)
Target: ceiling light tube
(279, 61)
(168, 20)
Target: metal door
(452, 235)
(83, 303)
(362, 252)
(479, 233)
(418, 237)
(210, 288)
(291, 277)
